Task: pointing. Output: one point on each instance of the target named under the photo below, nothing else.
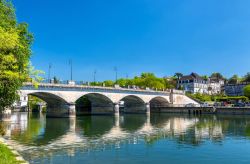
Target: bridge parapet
(65, 87)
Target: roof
(192, 76)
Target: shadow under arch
(49, 98)
(94, 103)
(56, 105)
(132, 104)
(157, 103)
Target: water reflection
(36, 136)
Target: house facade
(194, 83)
(215, 85)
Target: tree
(205, 77)
(234, 79)
(109, 83)
(247, 91)
(170, 82)
(15, 52)
(178, 75)
(123, 82)
(246, 78)
(217, 75)
(56, 80)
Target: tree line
(150, 80)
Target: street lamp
(50, 66)
(70, 63)
(94, 76)
(115, 69)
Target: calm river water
(129, 139)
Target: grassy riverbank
(6, 156)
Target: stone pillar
(171, 96)
(147, 108)
(72, 110)
(116, 108)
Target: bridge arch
(49, 98)
(157, 103)
(94, 103)
(132, 104)
(56, 105)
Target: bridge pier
(61, 110)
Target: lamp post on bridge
(71, 82)
(50, 66)
(71, 74)
(94, 76)
(115, 69)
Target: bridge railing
(94, 88)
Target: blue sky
(160, 36)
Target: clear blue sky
(160, 36)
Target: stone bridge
(69, 100)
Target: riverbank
(8, 155)
(204, 110)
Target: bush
(247, 91)
(200, 97)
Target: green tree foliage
(170, 82)
(246, 78)
(234, 79)
(217, 75)
(205, 77)
(15, 42)
(247, 91)
(145, 80)
(178, 75)
(33, 102)
(109, 83)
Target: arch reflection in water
(38, 135)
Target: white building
(22, 103)
(196, 84)
(215, 85)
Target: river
(131, 138)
